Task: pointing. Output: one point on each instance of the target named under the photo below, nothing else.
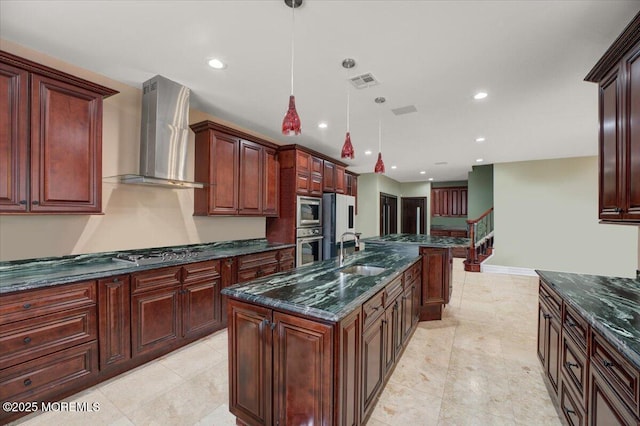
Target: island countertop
(421, 240)
(320, 290)
(610, 305)
(29, 274)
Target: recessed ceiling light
(217, 64)
(322, 125)
(430, 179)
(480, 139)
(423, 172)
(367, 152)
(479, 160)
(480, 95)
(394, 167)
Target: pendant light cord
(379, 132)
(348, 93)
(293, 24)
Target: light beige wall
(368, 205)
(134, 216)
(546, 217)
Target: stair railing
(480, 232)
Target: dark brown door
(388, 214)
(413, 215)
(66, 147)
(114, 321)
(14, 86)
(302, 371)
(271, 183)
(250, 370)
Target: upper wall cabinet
(50, 140)
(241, 170)
(450, 201)
(309, 174)
(333, 178)
(618, 77)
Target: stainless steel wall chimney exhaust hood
(164, 136)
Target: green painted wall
(480, 195)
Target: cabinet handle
(26, 305)
(23, 202)
(571, 365)
(569, 412)
(375, 308)
(115, 280)
(547, 316)
(607, 363)
(27, 382)
(35, 202)
(571, 323)
(27, 340)
(273, 326)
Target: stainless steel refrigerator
(338, 217)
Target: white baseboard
(511, 270)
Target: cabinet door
(251, 178)
(553, 354)
(610, 147)
(66, 147)
(605, 407)
(201, 308)
(340, 183)
(390, 321)
(114, 310)
(223, 192)
(14, 120)
(155, 319)
(407, 311)
(329, 177)
(435, 275)
(271, 183)
(250, 371)
(302, 371)
(315, 185)
(632, 154)
(373, 363)
(349, 358)
(303, 183)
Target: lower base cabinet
(285, 369)
(605, 407)
(437, 271)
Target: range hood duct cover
(164, 135)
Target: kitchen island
(589, 346)
(315, 345)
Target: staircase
(481, 244)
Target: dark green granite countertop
(611, 305)
(34, 273)
(319, 290)
(421, 240)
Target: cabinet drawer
(34, 303)
(201, 271)
(48, 375)
(155, 278)
(257, 272)
(551, 298)
(571, 407)
(288, 254)
(575, 325)
(373, 308)
(621, 375)
(574, 366)
(392, 291)
(28, 339)
(286, 265)
(251, 261)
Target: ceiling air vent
(404, 110)
(363, 81)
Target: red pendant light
(347, 147)
(291, 121)
(379, 168)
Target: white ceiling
(530, 56)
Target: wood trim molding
(511, 270)
(46, 71)
(212, 125)
(628, 38)
(312, 152)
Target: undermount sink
(367, 270)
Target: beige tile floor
(478, 366)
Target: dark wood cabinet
(449, 202)
(437, 265)
(605, 407)
(240, 170)
(174, 304)
(618, 76)
(252, 266)
(349, 359)
(51, 140)
(286, 259)
(281, 371)
(49, 343)
(114, 326)
(341, 185)
(309, 174)
(549, 347)
(373, 363)
(334, 178)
